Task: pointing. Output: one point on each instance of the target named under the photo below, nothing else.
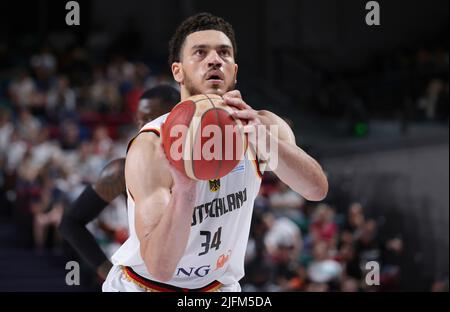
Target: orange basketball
(202, 139)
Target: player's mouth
(214, 77)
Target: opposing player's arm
(163, 207)
(111, 182)
(294, 166)
(90, 203)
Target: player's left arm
(294, 166)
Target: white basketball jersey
(219, 232)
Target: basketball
(202, 139)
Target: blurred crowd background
(372, 108)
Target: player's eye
(225, 53)
(200, 52)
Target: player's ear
(177, 72)
(235, 72)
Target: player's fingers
(245, 114)
(233, 94)
(237, 103)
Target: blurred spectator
(22, 89)
(348, 258)
(28, 126)
(283, 244)
(349, 284)
(15, 153)
(70, 136)
(367, 245)
(282, 233)
(6, 130)
(44, 148)
(103, 94)
(390, 264)
(285, 198)
(61, 101)
(323, 269)
(102, 144)
(323, 227)
(47, 213)
(259, 268)
(355, 218)
(44, 61)
(430, 101)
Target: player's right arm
(164, 203)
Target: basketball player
(111, 183)
(187, 235)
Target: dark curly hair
(198, 22)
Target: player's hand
(234, 99)
(242, 110)
(257, 133)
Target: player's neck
(184, 93)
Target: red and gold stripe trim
(153, 286)
(258, 170)
(253, 157)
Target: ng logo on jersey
(214, 185)
(200, 271)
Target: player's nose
(214, 59)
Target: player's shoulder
(154, 127)
(271, 117)
(283, 128)
(155, 124)
(145, 143)
(144, 160)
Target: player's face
(207, 64)
(149, 109)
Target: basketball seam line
(218, 121)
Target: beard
(190, 86)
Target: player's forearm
(73, 227)
(300, 171)
(165, 245)
(83, 242)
